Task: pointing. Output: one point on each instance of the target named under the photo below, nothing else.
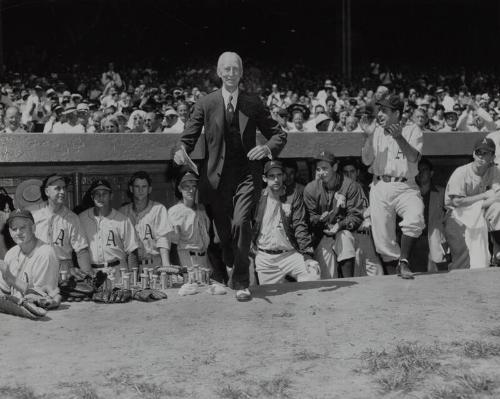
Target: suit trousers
(232, 209)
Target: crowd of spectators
(139, 100)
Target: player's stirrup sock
(496, 236)
(406, 246)
(390, 267)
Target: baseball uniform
(466, 227)
(111, 238)
(394, 190)
(151, 226)
(62, 230)
(40, 269)
(188, 229)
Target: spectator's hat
(58, 109)
(188, 176)
(485, 97)
(326, 156)
(450, 114)
(50, 92)
(76, 95)
(283, 113)
(299, 107)
(69, 110)
(66, 93)
(393, 102)
(28, 193)
(170, 112)
(328, 84)
(321, 118)
(272, 165)
(439, 90)
(20, 213)
(100, 184)
(38, 88)
(457, 108)
(367, 110)
(177, 92)
(24, 94)
(485, 144)
(83, 107)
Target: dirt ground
(297, 340)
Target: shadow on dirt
(264, 291)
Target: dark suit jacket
(294, 220)
(209, 112)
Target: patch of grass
(145, 390)
(449, 392)
(84, 391)
(477, 383)
(278, 387)
(305, 355)
(403, 367)
(479, 349)
(231, 392)
(283, 314)
(18, 392)
(465, 386)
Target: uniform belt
(388, 179)
(365, 232)
(102, 265)
(274, 251)
(193, 253)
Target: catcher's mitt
(72, 288)
(148, 295)
(115, 295)
(40, 298)
(20, 307)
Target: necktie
(230, 110)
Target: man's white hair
(228, 54)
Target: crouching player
(30, 267)
(281, 240)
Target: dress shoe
(243, 295)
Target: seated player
(150, 219)
(111, 236)
(281, 240)
(189, 224)
(335, 204)
(31, 266)
(472, 199)
(56, 225)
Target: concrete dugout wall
(84, 157)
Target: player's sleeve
(193, 127)
(174, 225)
(301, 228)
(45, 274)
(310, 204)
(9, 256)
(78, 239)
(456, 185)
(355, 203)
(162, 228)
(416, 138)
(130, 240)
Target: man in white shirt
(12, 121)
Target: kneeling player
(31, 267)
(281, 239)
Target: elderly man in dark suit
(230, 177)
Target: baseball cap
(100, 184)
(272, 165)
(68, 110)
(393, 102)
(20, 213)
(171, 111)
(189, 176)
(328, 84)
(83, 107)
(52, 179)
(485, 144)
(325, 156)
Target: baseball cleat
(404, 270)
(243, 295)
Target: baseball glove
(148, 295)
(20, 307)
(115, 295)
(76, 289)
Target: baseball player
(111, 235)
(150, 219)
(31, 265)
(367, 262)
(281, 240)
(472, 198)
(392, 150)
(56, 225)
(189, 224)
(335, 205)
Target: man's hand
(180, 157)
(78, 273)
(332, 230)
(395, 130)
(258, 152)
(312, 267)
(366, 225)
(368, 126)
(324, 216)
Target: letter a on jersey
(111, 240)
(148, 233)
(60, 238)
